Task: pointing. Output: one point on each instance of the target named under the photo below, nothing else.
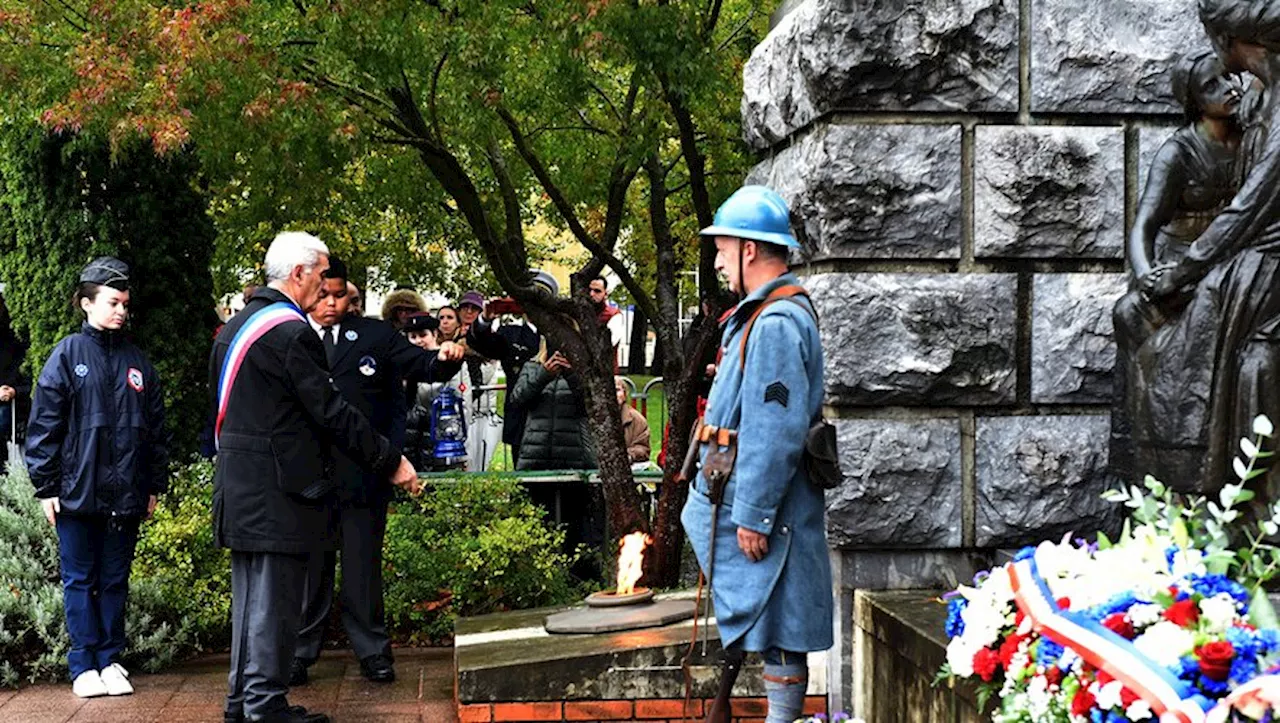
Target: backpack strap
(782, 293)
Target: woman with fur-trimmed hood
(399, 304)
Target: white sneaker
(116, 680)
(88, 685)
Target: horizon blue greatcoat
(783, 601)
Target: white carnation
(1138, 710)
(1108, 696)
(1165, 643)
(1219, 612)
(1145, 614)
(960, 652)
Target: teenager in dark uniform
(98, 456)
(368, 360)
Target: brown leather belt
(723, 437)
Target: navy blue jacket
(370, 363)
(96, 438)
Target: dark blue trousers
(97, 552)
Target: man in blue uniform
(368, 360)
(754, 519)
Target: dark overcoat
(274, 483)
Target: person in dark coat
(557, 435)
(15, 387)
(280, 423)
(368, 361)
(512, 345)
(97, 454)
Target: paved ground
(194, 691)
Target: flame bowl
(610, 599)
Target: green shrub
(466, 548)
(179, 596)
(177, 562)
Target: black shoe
(378, 669)
(298, 673)
(295, 710)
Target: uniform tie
(330, 344)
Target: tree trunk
(659, 354)
(639, 336)
(682, 401)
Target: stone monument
(965, 173)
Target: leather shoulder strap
(782, 293)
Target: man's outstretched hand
(406, 477)
(451, 352)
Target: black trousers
(266, 594)
(363, 614)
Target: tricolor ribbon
(1173, 700)
(257, 326)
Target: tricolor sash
(1171, 699)
(257, 326)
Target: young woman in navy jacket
(97, 454)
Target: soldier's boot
(730, 666)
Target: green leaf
(1104, 542)
(1262, 614)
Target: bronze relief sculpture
(1201, 334)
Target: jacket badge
(777, 392)
(135, 379)
(368, 365)
(82, 370)
(351, 335)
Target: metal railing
(638, 399)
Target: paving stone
(872, 191)
(1039, 478)
(1073, 353)
(1109, 56)
(902, 484)
(1049, 192)
(889, 55)
(917, 339)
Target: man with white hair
(279, 419)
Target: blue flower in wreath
(1268, 641)
(955, 625)
(1214, 688)
(1245, 643)
(1048, 652)
(1244, 668)
(1190, 667)
(1210, 585)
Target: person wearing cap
(280, 424)
(97, 453)
(368, 362)
(756, 523)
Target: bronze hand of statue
(1160, 283)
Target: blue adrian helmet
(756, 213)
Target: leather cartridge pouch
(821, 461)
(718, 464)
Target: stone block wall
(962, 174)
